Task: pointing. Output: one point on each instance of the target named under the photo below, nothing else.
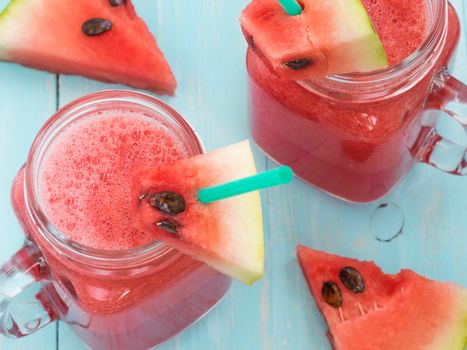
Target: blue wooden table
(203, 42)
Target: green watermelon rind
(3, 17)
(8, 14)
(7, 9)
(362, 36)
(380, 53)
(380, 57)
(457, 331)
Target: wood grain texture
(203, 42)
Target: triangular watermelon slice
(228, 234)
(379, 311)
(49, 35)
(329, 37)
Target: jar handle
(23, 310)
(450, 96)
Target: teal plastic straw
(292, 7)
(279, 176)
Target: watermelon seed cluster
(351, 278)
(169, 203)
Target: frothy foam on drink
(85, 181)
(402, 25)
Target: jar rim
(412, 66)
(94, 256)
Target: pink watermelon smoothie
(86, 176)
(357, 152)
(85, 184)
(401, 25)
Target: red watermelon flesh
(327, 38)
(47, 35)
(228, 234)
(394, 312)
(279, 38)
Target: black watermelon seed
(96, 26)
(169, 226)
(332, 294)
(252, 42)
(116, 3)
(169, 203)
(352, 279)
(298, 64)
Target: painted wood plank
(27, 100)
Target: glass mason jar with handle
(356, 136)
(112, 299)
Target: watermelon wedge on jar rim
(100, 39)
(325, 38)
(367, 309)
(226, 234)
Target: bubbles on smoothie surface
(87, 172)
(402, 25)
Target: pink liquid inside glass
(401, 25)
(84, 184)
(357, 152)
(86, 176)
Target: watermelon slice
(367, 309)
(228, 234)
(50, 35)
(329, 37)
